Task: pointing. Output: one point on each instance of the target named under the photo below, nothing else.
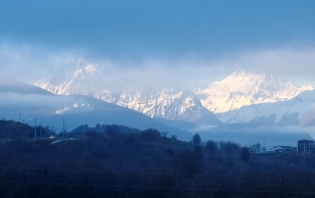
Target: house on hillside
(306, 146)
(76, 109)
(289, 149)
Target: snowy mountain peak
(84, 78)
(241, 88)
(86, 68)
(245, 88)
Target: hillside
(148, 165)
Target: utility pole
(35, 129)
(65, 128)
(40, 130)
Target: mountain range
(24, 102)
(168, 103)
(298, 111)
(243, 96)
(81, 94)
(244, 87)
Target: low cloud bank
(188, 71)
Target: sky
(204, 40)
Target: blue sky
(167, 31)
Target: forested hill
(12, 130)
(148, 164)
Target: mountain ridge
(50, 110)
(243, 88)
(201, 106)
(289, 112)
(170, 103)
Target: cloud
(161, 27)
(32, 62)
(293, 63)
(29, 62)
(16, 100)
(179, 42)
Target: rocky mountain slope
(24, 102)
(89, 79)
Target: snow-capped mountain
(241, 97)
(79, 78)
(90, 79)
(169, 104)
(296, 111)
(22, 101)
(243, 88)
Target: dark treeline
(148, 164)
(16, 130)
(109, 130)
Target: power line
(167, 158)
(154, 173)
(155, 187)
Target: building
(76, 109)
(282, 149)
(305, 146)
(289, 149)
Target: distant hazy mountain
(89, 79)
(244, 88)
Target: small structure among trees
(282, 149)
(306, 146)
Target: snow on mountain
(243, 88)
(72, 79)
(241, 97)
(169, 104)
(290, 112)
(89, 79)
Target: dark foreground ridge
(147, 163)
